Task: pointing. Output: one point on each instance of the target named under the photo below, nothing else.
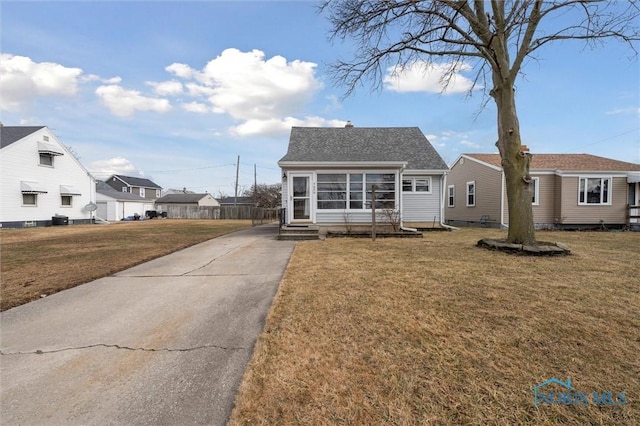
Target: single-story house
(197, 200)
(114, 205)
(41, 179)
(330, 174)
(569, 191)
(189, 206)
(142, 187)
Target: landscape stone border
(540, 249)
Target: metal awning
(47, 148)
(69, 190)
(32, 188)
(633, 177)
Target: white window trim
(536, 191)
(66, 206)
(125, 189)
(450, 195)
(610, 194)
(142, 192)
(35, 204)
(475, 192)
(158, 193)
(52, 157)
(413, 184)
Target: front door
(300, 197)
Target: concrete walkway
(165, 342)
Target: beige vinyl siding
(488, 185)
(574, 214)
(543, 212)
(557, 199)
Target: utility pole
(235, 199)
(255, 195)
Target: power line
(188, 170)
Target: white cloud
(166, 88)
(421, 76)
(469, 144)
(102, 169)
(432, 137)
(22, 80)
(251, 88)
(276, 126)
(124, 103)
(628, 110)
(180, 70)
(195, 107)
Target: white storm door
(301, 200)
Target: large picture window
(594, 191)
(354, 190)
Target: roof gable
(566, 162)
(11, 134)
(104, 189)
(363, 144)
(138, 182)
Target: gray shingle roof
(181, 198)
(11, 134)
(104, 189)
(366, 144)
(232, 200)
(138, 182)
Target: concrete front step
(298, 233)
(298, 237)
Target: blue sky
(175, 91)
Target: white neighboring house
(114, 205)
(40, 178)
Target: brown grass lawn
(438, 331)
(43, 261)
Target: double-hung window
(451, 195)
(535, 191)
(594, 191)
(471, 194)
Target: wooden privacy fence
(258, 214)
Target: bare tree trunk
(515, 164)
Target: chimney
(348, 125)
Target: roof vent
(349, 124)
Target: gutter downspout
(443, 189)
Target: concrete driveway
(166, 342)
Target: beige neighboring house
(569, 191)
(183, 199)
